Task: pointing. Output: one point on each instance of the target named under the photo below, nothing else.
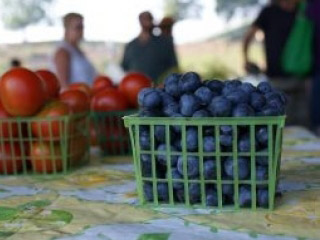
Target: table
(99, 202)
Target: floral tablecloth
(99, 202)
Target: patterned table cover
(99, 202)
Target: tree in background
(19, 14)
(229, 7)
(181, 9)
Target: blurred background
(207, 33)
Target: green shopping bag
(297, 57)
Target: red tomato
(100, 83)
(45, 159)
(109, 100)
(7, 129)
(44, 128)
(10, 158)
(132, 84)
(117, 140)
(82, 87)
(51, 83)
(22, 92)
(77, 100)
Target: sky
(116, 21)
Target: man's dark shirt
(152, 58)
(313, 11)
(276, 24)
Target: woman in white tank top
(70, 63)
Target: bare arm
(247, 42)
(62, 62)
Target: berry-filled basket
(224, 163)
(43, 145)
(112, 136)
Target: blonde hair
(68, 18)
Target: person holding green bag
(277, 21)
(297, 56)
(313, 12)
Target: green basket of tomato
(111, 135)
(109, 104)
(41, 132)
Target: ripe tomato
(45, 159)
(7, 129)
(109, 100)
(82, 87)
(22, 92)
(77, 100)
(101, 82)
(51, 83)
(50, 129)
(117, 140)
(10, 158)
(132, 84)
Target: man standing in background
(166, 26)
(276, 21)
(149, 54)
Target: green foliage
(35, 204)
(229, 7)
(7, 213)
(181, 9)
(215, 65)
(6, 234)
(53, 217)
(154, 236)
(36, 213)
(216, 70)
(18, 14)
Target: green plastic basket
(176, 198)
(52, 145)
(112, 136)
